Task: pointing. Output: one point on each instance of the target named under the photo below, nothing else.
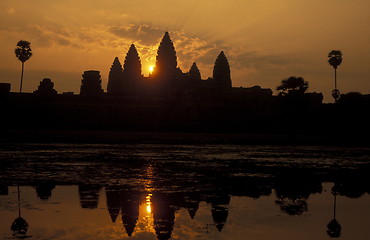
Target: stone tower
(115, 76)
(194, 73)
(221, 72)
(166, 61)
(131, 71)
(91, 84)
(46, 88)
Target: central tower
(166, 61)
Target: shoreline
(167, 137)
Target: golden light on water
(148, 180)
(151, 69)
(148, 208)
(148, 203)
(147, 214)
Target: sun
(151, 69)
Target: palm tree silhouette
(335, 59)
(23, 52)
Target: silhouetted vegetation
(182, 176)
(335, 59)
(355, 99)
(171, 100)
(185, 102)
(292, 85)
(213, 182)
(334, 229)
(23, 52)
(19, 225)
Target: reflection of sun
(148, 203)
(151, 69)
(148, 180)
(146, 219)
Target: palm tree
(335, 59)
(23, 52)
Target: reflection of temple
(127, 203)
(163, 207)
(4, 190)
(164, 216)
(292, 186)
(113, 202)
(89, 196)
(43, 190)
(129, 210)
(220, 210)
(191, 201)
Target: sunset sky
(264, 40)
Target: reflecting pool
(169, 191)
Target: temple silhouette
(170, 99)
(166, 81)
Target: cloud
(9, 10)
(43, 36)
(188, 48)
(142, 34)
(195, 49)
(243, 62)
(259, 62)
(51, 36)
(110, 41)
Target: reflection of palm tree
(335, 59)
(23, 52)
(292, 206)
(20, 225)
(334, 228)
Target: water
(184, 191)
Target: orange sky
(264, 40)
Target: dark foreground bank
(88, 136)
